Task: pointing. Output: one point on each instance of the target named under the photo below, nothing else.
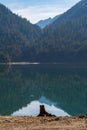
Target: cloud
(39, 12)
(36, 10)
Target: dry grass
(43, 123)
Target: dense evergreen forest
(16, 35)
(65, 40)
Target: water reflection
(4, 69)
(32, 109)
(61, 87)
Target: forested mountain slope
(16, 34)
(65, 40)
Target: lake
(61, 88)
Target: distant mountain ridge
(44, 23)
(75, 12)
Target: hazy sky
(35, 10)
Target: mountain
(44, 23)
(77, 11)
(17, 35)
(65, 40)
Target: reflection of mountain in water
(46, 101)
(67, 87)
(32, 109)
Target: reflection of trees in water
(4, 58)
(4, 69)
(66, 87)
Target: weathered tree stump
(43, 111)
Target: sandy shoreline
(43, 123)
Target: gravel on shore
(43, 123)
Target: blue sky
(35, 10)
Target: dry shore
(43, 123)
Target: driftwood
(43, 111)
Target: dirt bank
(43, 123)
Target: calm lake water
(61, 88)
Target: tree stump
(43, 111)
